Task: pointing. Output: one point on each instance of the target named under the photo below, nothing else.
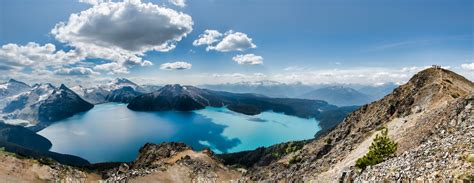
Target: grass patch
(3, 152)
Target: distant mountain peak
(16, 81)
(122, 81)
(63, 87)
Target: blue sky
(306, 40)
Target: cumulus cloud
(251, 59)
(76, 71)
(17, 57)
(94, 2)
(234, 41)
(469, 66)
(231, 41)
(122, 32)
(175, 66)
(180, 3)
(207, 38)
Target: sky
(227, 41)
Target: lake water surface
(111, 132)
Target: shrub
(328, 141)
(293, 147)
(294, 160)
(381, 148)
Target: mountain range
(337, 94)
(119, 90)
(430, 118)
(187, 98)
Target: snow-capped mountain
(12, 87)
(117, 90)
(94, 95)
(41, 105)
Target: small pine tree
(381, 148)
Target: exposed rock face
(401, 112)
(151, 155)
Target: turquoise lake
(112, 132)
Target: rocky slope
(329, 156)
(14, 168)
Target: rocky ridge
(329, 156)
(447, 151)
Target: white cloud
(358, 75)
(113, 68)
(237, 41)
(180, 3)
(76, 71)
(468, 66)
(94, 2)
(123, 32)
(18, 57)
(240, 75)
(176, 66)
(248, 59)
(207, 38)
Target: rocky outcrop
(173, 162)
